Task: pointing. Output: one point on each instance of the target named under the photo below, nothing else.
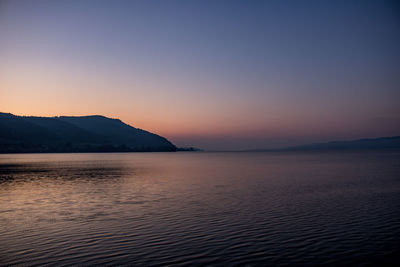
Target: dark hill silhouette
(20, 134)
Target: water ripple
(229, 209)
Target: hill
(360, 144)
(20, 134)
(382, 143)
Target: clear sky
(211, 74)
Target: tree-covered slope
(75, 134)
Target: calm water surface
(200, 208)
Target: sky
(210, 74)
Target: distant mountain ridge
(392, 142)
(20, 134)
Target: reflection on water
(200, 208)
(14, 173)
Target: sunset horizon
(207, 140)
(199, 133)
(210, 75)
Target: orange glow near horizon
(199, 75)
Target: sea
(200, 209)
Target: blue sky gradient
(214, 74)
